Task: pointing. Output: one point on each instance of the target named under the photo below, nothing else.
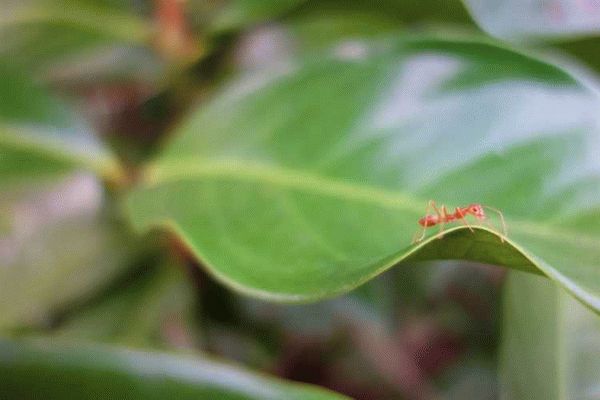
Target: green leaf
(551, 347)
(40, 137)
(313, 183)
(527, 19)
(48, 369)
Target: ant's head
(476, 210)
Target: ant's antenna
(501, 219)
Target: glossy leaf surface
(52, 370)
(312, 183)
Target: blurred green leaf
(39, 32)
(48, 369)
(164, 294)
(536, 19)
(59, 248)
(551, 346)
(108, 18)
(40, 137)
(312, 184)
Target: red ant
(442, 217)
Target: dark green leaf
(47, 369)
(312, 184)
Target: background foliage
(174, 175)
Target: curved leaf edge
(413, 253)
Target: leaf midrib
(182, 170)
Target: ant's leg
(442, 215)
(504, 230)
(421, 234)
(466, 223)
(418, 236)
(464, 220)
(461, 217)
